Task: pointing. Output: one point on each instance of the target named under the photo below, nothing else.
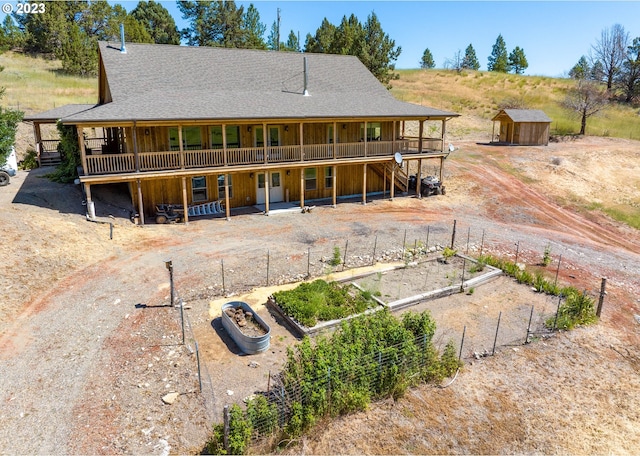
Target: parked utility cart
(430, 185)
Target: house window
(191, 139)
(374, 131)
(328, 177)
(233, 136)
(221, 186)
(199, 189)
(310, 179)
(274, 136)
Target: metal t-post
(169, 266)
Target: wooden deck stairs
(401, 180)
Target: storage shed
(525, 127)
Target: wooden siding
(524, 133)
(156, 139)
(349, 182)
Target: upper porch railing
(251, 156)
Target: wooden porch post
(444, 132)
(403, 129)
(419, 179)
(420, 133)
(91, 210)
(38, 136)
(83, 153)
(301, 188)
(301, 142)
(392, 185)
(224, 144)
(441, 167)
(335, 140)
(365, 140)
(140, 202)
(180, 147)
(266, 137)
(364, 183)
(135, 146)
(185, 202)
(384, 181)
(266, 192)
(226, 197)
(393, 140)
(493, 130)
(334, 195)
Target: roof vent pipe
(123, 49)
(306, 78)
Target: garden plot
(400, 287)
(427, 280)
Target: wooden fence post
(603, 291)
(225, 416)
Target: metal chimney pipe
(306, 78)
(123, 49)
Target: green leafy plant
(478, 266)
(322, 301)
(546, 256)
(447, 253)
(336, 259)
(578, 309)
(239, 434)
(30, 161)
(66, 172)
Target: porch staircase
(50, 159)
(401, 180)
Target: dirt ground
(89, 346)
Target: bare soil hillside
(89, 347)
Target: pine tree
(292, 44)
(10, 34)
(427, 60)
(580, 70)
(321, 42)
(379, 51)
(158, 22)
(629, 77)
(498, 60)
(517, 61)
(470, 61)
(254, 29)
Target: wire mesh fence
(479, 334)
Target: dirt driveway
(87, 337)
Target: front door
(276, 194)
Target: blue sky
(553, 34)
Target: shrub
(546, 256)
(30, 160)
(336, 260)
(239, 434)
(578, 309)
(324, 301)
(447, 253)
(478, 266)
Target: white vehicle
(9, 169)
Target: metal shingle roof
(164, 82)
